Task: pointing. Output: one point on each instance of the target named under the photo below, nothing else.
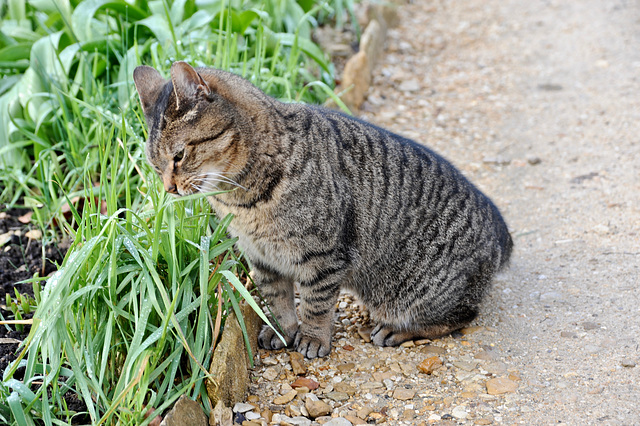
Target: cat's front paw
(312, 347)
(268, 339)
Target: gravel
(535, 101)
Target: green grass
(130, 320)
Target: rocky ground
(537, 103)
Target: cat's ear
(187, 83)
(148, 83)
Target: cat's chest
(261, 237)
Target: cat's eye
(179, 156)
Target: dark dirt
(20, 259)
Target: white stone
(459, 412)
(241, 407)
(338, 421)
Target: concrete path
(539, 103)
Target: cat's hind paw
(387, 336)
(312, 347)
(268, 339)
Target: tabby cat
(328, 201)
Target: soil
(20, 259)
(537, 103)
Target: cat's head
(197, 134)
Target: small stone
(569, 334)
(241, 407)
(348, 348)
(628, 363)
(533, 160)
(297, 363)
(253, 398)
(305, 382)
(34, 234)
(365, 333)
(283, 399)
(408, 415)
(468, 394)
(343, 387)
(270, 374)
(338, 421)
(500, 385)
(407, 344)
(412, 85)
(429, 365)
(469, 330)
(388, 383)
(364, 412)
(589, 325)
(466, 366)
(185, 412)
(250, 423)
(434, 417)
(317, 408)
(433, 349)
(355, 420)
(338, 396)
(251, 415)
(459, 412)
(404, 394)
(343, 368)
(482, 422)
(267, 415)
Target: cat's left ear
(187, 83)
(148, 83)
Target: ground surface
(538, 103)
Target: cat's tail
(506, 247)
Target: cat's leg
(278, 292)
(318, 297)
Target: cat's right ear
(148, 83)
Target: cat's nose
(170, 188)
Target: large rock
(229, 367)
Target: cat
(328, 201)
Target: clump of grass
(130, 320)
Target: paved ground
(538, 102)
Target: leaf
(83, 15)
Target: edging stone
(230, 363)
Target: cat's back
(404, 194)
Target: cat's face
(195, 142)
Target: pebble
(404, 394)
(338, 396)
(500, 385)
(429, 365)
(283, 399)
(297, 421)
(589, 325)
(343, 368)
(317, 408)
(270, 374)
(411, 85)
(365, 333)
(628, 363)
(355, 420)
(304, 382)
(338, 421)
(459, 412)
(569, 334)
(298, 365)
(242, 407)
(343, 387)
(252, 415)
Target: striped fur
(328, 201)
